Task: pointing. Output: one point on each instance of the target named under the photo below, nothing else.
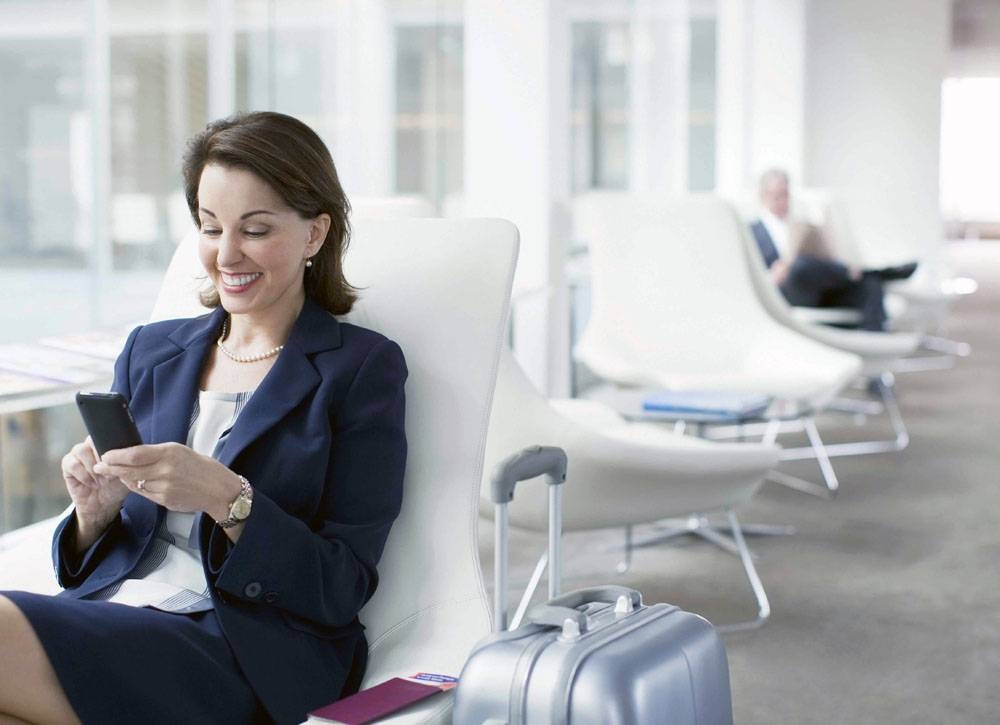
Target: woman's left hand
(175, 477)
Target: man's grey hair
(771, 176)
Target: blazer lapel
(292, 378)
(175, 380)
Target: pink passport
(375, 702)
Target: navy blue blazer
(322, 442)
(764, 243)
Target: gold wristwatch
(239, 509)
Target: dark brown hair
(292, 159)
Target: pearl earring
(309, 263)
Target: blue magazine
(702, 402)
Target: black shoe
(902, 271)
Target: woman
(215, 573)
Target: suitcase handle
(557, 611)
(528, 463)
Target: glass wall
(100, 97)
(701, 106)
(44, 141)
(643, 96)
(158, 97)
(280, 57)
(428, 111)
(600, 105)
(643, 113)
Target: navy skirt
(118, 663)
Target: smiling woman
(300, 179)
(255, 259)
(241, 540)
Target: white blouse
(170, 575)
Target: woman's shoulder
(165, 329)
(363, 344)
(359, 336)
(169, 334)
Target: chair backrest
(401, 206)
(863, 231)
(441, 289)
(835, 220)
(664, 273)
(182, 282)
(184, 278)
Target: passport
(383, 699)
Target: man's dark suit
(322, 442)
(816, 282)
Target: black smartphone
(108, 420)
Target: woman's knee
(10, 622)
(29, 687)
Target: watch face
(240, 509)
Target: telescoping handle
(558, 610)
(529, 463)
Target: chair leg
(816, 449)
(671, 529)
(946, 346)
(822, 456)
(626, 563)
(714, 533)
(924, 363)
(899, 441)
(700, 526)
(710, 534)
(763, 605)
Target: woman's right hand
(96, 498)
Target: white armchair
(866, 234)
(880, 353)
(674, 307)
(441, 289)
(622, 474)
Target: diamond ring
(141, 484)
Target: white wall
(872, 109)
(659, 74)
(761, 79)
(778, 86)
(516, 160)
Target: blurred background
(885, 603)
(479, 108)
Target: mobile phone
(108, 420)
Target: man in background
(800, 263)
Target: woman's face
(252, 244)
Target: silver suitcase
(594, 656)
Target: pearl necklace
(240, 358)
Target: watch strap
(246, 492)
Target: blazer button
(253, 590)
(271, 597)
